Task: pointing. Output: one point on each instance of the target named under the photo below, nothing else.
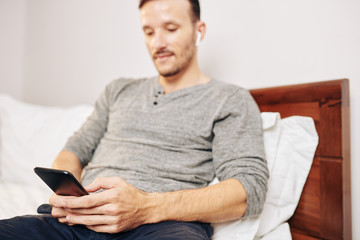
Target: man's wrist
(155, 208)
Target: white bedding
(21, 199)
(32, 135)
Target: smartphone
(61, 182)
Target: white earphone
(198, 39)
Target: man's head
(171, 28)
(195, 8)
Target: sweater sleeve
(83, 143)
(238, 148)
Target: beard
(182, 60)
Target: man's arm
(67, 160)
(217, 203)
(123, 207)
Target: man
(151, 147)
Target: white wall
(12, 40)
(75, 47)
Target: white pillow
(32, 135)
(290, 145)
(247, 228)
(282, 232)
(296, 148)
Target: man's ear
(201, 29)
(198, 39)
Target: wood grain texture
(324, 210)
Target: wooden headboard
(324, 210)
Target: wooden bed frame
(324, 210)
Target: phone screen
(61, 182)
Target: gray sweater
(166, 142)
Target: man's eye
(171, 29)
(148, 33)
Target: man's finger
(100, 210)
(71, 202)
(62, 220)
(58, 201)
(90, 219)
(58, 212)
(104, 183)
(84, 202)
(107, 228)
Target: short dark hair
(195, 8)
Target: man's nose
(159, 41)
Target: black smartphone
(61, 182)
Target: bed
(323, 210)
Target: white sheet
(19, 199)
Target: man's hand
(120, 207)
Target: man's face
(169, 35)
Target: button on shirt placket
(157, 95)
